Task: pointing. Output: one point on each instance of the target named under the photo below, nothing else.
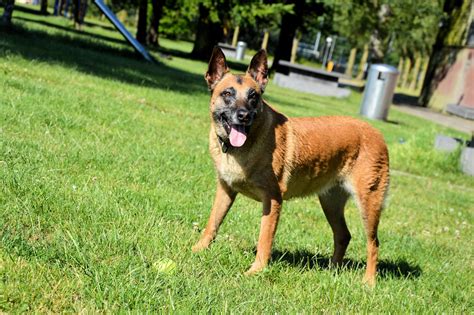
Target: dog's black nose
(243, 115)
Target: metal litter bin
(240, 51)
(378, 93)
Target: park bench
(309, 79)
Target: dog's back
(326, 151)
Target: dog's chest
(231, 171)
(237, 177)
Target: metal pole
(119, 26)
(332, 48)
(316, 43)
(326, 51)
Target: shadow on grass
(73, 30)
(103, 26)
(30, 10)
(92, 56)
(405, 99)
(386, 269)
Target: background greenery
(105, 181)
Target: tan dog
(268, 157)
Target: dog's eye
(226, 94)
(252, 95)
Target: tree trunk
(406, 72)
(441, 57)
(6, 18)
(208, 34)
(290, 22)
(153, 30)
(44, 7)
(142, 21)
(80, 7)
(378, 38)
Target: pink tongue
(237, 136)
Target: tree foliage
(255, 13)
(218, 17)
(401, 26)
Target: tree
(303, 11)
(364, 22)
(412, 25)
(142, 21)
(6, 18)
(257, 18)
(404, 27)
(153, 29)
(80, 7)
(451, 34)
(217, 17)
(213, 15)
(178, 20)
(44, 7)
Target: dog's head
(236, 100)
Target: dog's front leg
(271, 214)
(222, 203)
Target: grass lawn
(105, 180)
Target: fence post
(236, 36)
(400, 70)
(406, 72)
(363, 61)
(415, 73)
(266, 34)
(294, 49)
(350, 62)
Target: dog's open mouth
(237, 132)
(237, 135)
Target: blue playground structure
(119, 26)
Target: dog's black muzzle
(239, 116)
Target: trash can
(378, 93)
(240, 51)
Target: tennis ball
(165, 265)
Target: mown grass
(105, 179)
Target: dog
(269, 157)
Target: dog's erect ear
(217, 68)
(258, 68)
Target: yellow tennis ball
(165, 265)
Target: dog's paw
(254, 269)
(369, 281)
(335, 264)
(199, 246)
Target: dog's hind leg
(333, 202)
(222, 203)
(370, 189)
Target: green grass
(105, 176)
